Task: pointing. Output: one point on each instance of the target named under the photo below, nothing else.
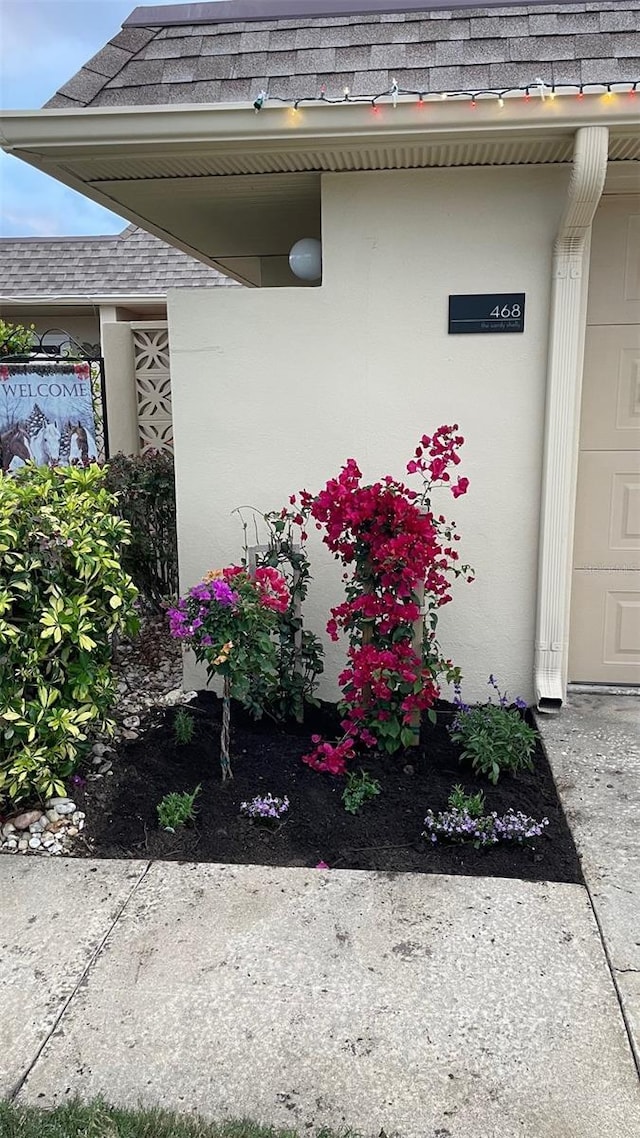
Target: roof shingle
(457, 49)
(131, 263)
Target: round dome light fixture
(305, 259)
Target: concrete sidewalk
(594, 750)
(421, 1005)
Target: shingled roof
(200, 53)
(131, 263)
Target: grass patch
(97, 1120)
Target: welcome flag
(46, 414)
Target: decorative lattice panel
(153, 385)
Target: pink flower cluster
(273, 590)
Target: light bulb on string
(394, 92)
(501, 99)
(345, 93)
(552, 93)
(260, 101)
(541, 88)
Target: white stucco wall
(274, 389)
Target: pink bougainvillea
(400, 561)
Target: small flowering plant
(265, 808)
(459, 825)
(494, 736)
(228, 621)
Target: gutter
(564, 385)
(92, 131)
(47, 299)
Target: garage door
(605, 608)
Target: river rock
(131, 722)
(8, 829)
(62, 805)
(23, 821)
(34, 842)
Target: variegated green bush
(63, 593)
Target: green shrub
(146, 491)
(494, 738)
(177, 809)
(63, 593)
(16, 339)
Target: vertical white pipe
(564, 383)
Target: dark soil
(386, 835)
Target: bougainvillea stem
(417, 645)
(225, 735)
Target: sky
(42, 44)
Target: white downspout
(564, 382)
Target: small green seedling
(472, 803)
(183, 727)
(177, 809)
(359, 789)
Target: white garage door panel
(608, 511)
(604, 639)
(605, 636)
(614, 292)
(610, 417)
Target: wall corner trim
(562, 416)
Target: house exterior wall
(274, 389)
(83, 329)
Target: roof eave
(101, 152)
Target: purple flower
(265, 807)
(458, 825)
(78, 780)
(223, 593)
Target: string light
(394, 93)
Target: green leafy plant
(494, 737)
(177, 809)
(63, 595)
(473, 804)
(299, 651)
(359, 789)
(183, 727)
(15, 339)
(146, 498)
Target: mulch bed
(386, 835)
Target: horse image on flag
(46, 415)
